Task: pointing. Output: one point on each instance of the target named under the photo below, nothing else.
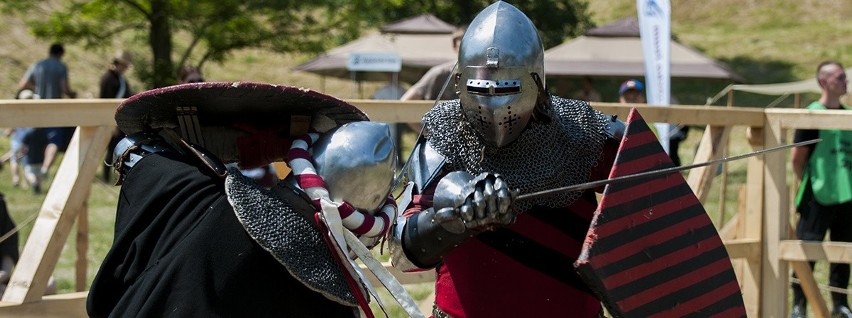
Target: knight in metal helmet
(196, 239)
(501, 67)
(496, 256)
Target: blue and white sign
(374, 62)
(655, 31)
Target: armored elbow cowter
(418, 242)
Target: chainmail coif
(545, 156)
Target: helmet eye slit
(492, 88)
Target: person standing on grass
(824, 201)
(33, 142)
(49, 79)
(434, 84)
(113, 84)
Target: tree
(555, 19)
(208, 30)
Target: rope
(360, 223)
(32, 217)
(825, 287)
(17, 228)
(343, 223)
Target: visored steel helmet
(498, 56)
(358, 162)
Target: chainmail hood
(545, 156)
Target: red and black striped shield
(651, 250)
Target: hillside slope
(764, 40)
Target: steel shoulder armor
(132, 148)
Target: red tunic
(525, 270)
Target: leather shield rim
(229, 103)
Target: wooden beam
(58, 112)
(391, 111)
(803, 251)
(695, 115)
(81, 278)
(700, 179)
(774, 271)
(810, 119)
(751, 224)
(743, 248)
(810, 288)
(57, 214)
(71, 305)
(412, 111)
(805, 275)
(729, 230)
(98, 112)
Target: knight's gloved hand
(467, 203)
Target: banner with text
(655, 31)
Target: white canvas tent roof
(418, 51)
(781, 89)
(616, 50)
(421, 24)
(804, 86)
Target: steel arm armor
(417, 242)
(616, 128)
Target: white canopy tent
(616, 50)
(783, 90)
(421, 42)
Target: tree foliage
(208, 29)
(178, 32)
(555, 19)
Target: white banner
(655, 30)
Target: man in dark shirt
(114, 84)
(824, 201)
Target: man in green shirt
(825, 196)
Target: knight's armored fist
(464, 202)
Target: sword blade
(655, 173)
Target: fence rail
(757, 238)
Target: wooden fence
(758, 238)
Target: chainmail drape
(276, 225)
(546, 156)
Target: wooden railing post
(774, 271)
(751, 225)
(711, 147)
(81, 278)
(67, 193)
